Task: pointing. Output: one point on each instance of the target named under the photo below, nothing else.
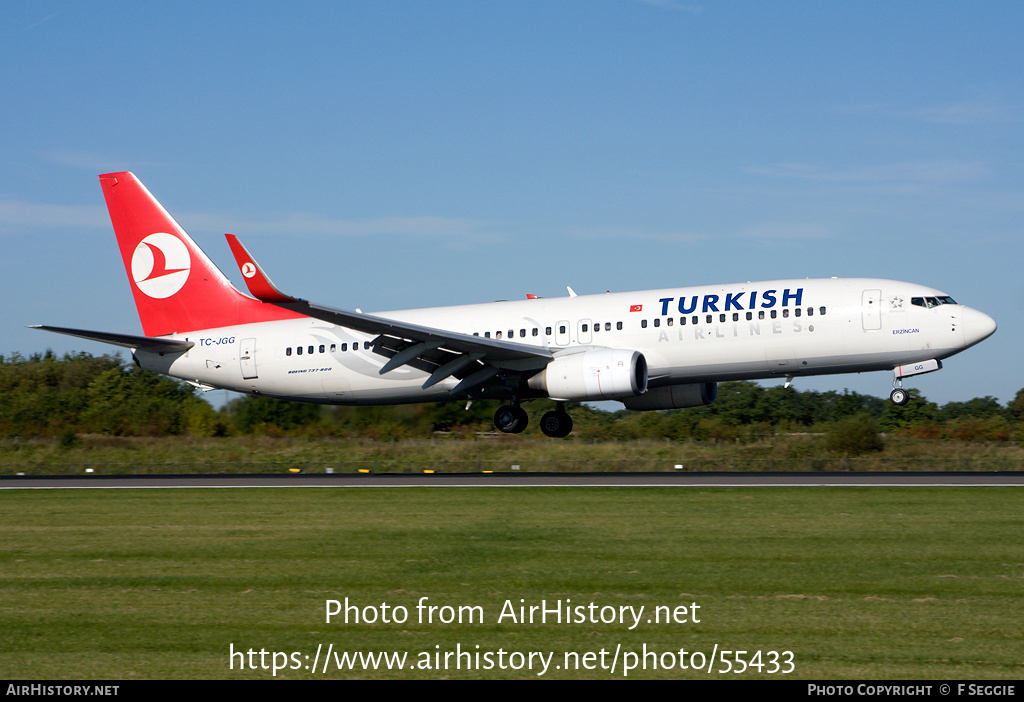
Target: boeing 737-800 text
(650, 350)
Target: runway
(621, 480)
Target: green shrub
(855, 435)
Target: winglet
(259, 284)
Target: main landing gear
(512, 419)
(556, 424)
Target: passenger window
(487, 335)
(298, 350)
(561, 328)
(311, 349)
(668, 321)
(344, 347)
(710, 319)
(750, 316)
(607, 326)
(547, 331)
(643, 323)
(774, 313)
(618, 325)
(810, 311)
(695, 320)
(797, 312)
(522, 333)
(760, 314)
(322, 348)
(584, 328)
(657, 322)
(682, 321)
(821, 310)
(536, 331)
(497, 335)
(735, 316)
(288, 351)
(334, 347)
(785, 312)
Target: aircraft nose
(977, 326)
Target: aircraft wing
(129, 341)
(442, 353)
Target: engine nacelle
(674, 397)
(599, 374)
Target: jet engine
(674, 397)
(598, 374)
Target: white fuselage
(687, 335)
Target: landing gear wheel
(899, 397)
(511, 419)
(556, 424)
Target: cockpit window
(929, 302)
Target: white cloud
(39, 22)
(964, 113)
(302, 224)
(614, 234)
(15, 214)
(675, 5)
(919, 172)
(94, 163)
(787, 232)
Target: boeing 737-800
(650, 350)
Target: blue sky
(389, 155)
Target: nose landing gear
(898, 396)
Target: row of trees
(44, 395)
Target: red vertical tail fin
(177, 288)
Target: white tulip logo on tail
(160, 265)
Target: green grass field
(907, 583)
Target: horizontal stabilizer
(129, 341)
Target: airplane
(651, 350)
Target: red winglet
(259, 284)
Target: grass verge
(800, 452)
